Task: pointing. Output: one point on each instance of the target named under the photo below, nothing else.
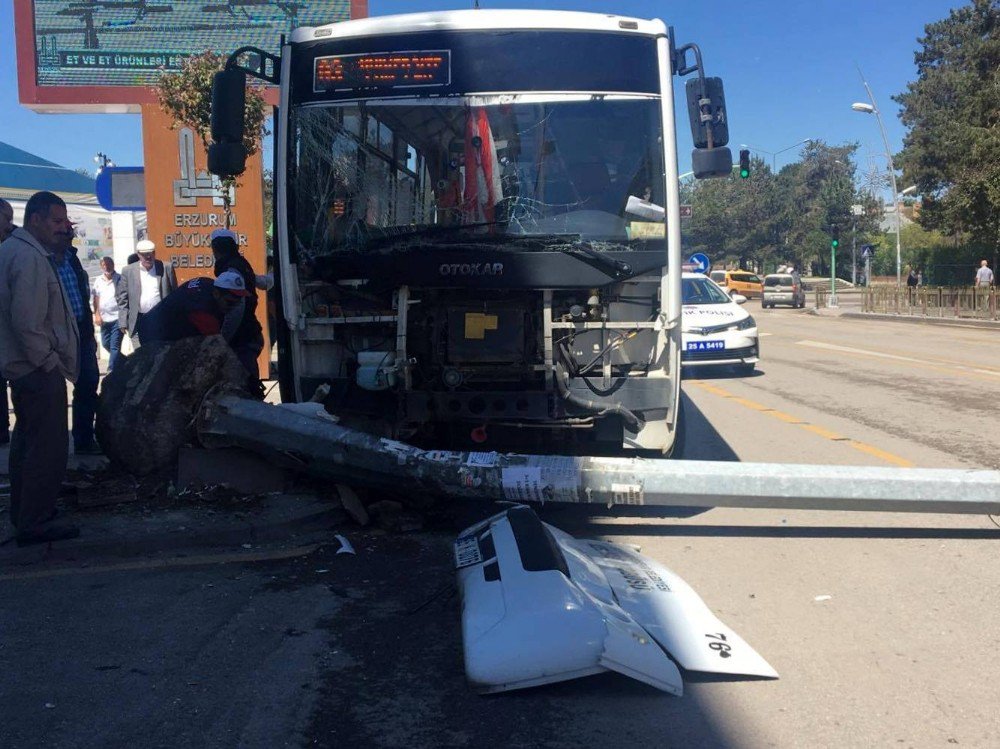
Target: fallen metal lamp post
(314, 443)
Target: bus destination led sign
(382, 70)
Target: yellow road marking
(751, 404)
(881, 454)
(162, 564)
(813, 428)
(787, 418)
(824, 433)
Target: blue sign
(121, 188)
(700, 262)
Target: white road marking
(894, 357)
(850, 350)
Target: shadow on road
(701, 440)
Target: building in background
(99, 232)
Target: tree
(952, 110)
(783, 218)
(187, 97)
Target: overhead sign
(383, 70)
(700, 262)
(98, 52)
(121, 188)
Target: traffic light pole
(854, 252)
(833, 276)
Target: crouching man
(197, 308)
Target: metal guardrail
(961, 302)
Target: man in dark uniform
(196, 308)
(247, 339)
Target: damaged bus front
(470, 246)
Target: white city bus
(470, 246)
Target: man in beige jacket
(39, 351)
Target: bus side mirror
(709, 128)
(711, 162)
(226, 156)
(707, 112)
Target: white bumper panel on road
(539, 606)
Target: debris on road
(352, 503)
(540, 606)
(345, 547)
(393, 517)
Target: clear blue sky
(788, 67)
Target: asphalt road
(882, 627)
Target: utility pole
(873, 109)
(834, 244)
(856, 210)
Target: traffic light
(834, 237)
(744, 163)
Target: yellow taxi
(741, 282)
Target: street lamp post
(103, 160)
(774, 154)
(873, 109)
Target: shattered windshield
(475, 169)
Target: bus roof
(479, 20)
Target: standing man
(144, 284)
(984, 276)
(104, 292)
(242, 328)
(6, 229)
(39, 351)
(76, 285)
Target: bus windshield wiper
(601, 260)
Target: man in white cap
(197, 308)
(144, 284)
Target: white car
(715, 329)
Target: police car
(715, 329)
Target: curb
(952, 322)
(181, 532)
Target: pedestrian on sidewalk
(39, 351)
(76, 284)
(7, 227)
(105, 299)
(984, 276)
(144, 284)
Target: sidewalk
(922, 320)
(158, 525)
